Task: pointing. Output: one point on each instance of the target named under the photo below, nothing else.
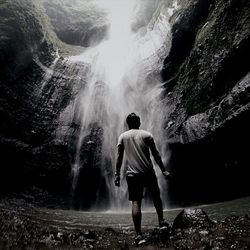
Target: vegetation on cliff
(77, 22)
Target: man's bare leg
(155, 192)
(159, 208)
(136, 215)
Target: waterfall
(120, 78)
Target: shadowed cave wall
(206, 77)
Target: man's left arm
(157, 158)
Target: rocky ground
(26, 226)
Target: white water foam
(118, 84)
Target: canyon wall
(206, 77)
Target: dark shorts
(137, 183)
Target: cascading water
(119, 80)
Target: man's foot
(139, 240)
(163, 223)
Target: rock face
(37, 84)
(207, 89)
(77, 22)
(22, 35)
(143, 13)
(28, 111)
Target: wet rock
(22, 37)
(164, 233)
(89, 235)
(190, 218)
(25, 54)
(185, 22)
(81, 23)
(144, 12)
(160, 235)
(203, 124)
(109, 229)
(203, 232)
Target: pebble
(204, 233)
(220, 238)
(59, 235)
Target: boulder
(191, 217)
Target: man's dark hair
(133, 121)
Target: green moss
(206, 28)
(49, 33)
(80, 23)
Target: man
(137, 145)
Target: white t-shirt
(137, 151)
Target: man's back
(136, 144)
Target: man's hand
(117, 180)
(166, 174)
